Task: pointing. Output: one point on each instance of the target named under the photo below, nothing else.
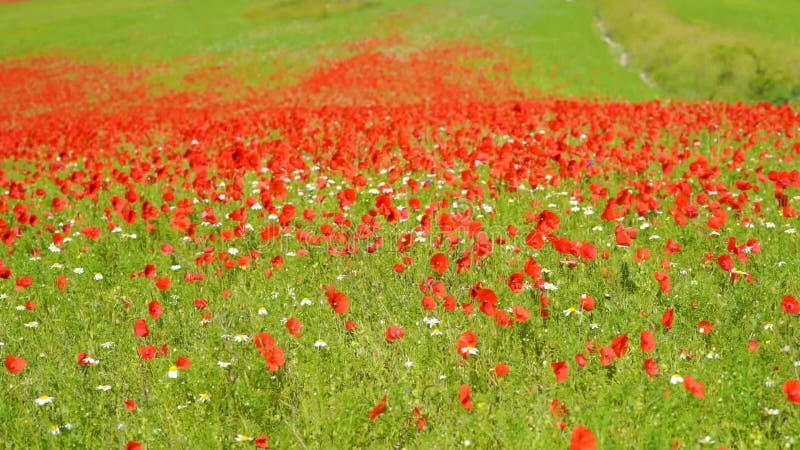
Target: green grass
(554, 42)
(775, 19)
(322, 396)
(729, 50)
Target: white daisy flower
(44, 399)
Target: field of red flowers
(397, 249)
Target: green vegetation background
(724, 49)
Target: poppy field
(395, 247)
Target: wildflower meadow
(389, 245)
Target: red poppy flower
(149, 271)
(450, 303)
(582, 439)
(502, 319)
(667, 318)
(672, 247)
(501, 369)
(557, 408)
(642, 255)
(439, 263)
(547, 221)
(269, 350)
(130, 405)
(792, 390)
(533, 269)
(15, 364)
(488, 300)
(467, 344)
(587, 251)
(23, 282)
(620, 345)
(133, 445)
(155, 309)
(725, 262)
(147, 352)
(694, 386)
(651, 367)
(465, 397)
(607, 354)
(274, 359)
(163, 283)
(428, 302)
(394, 332)
(647, 341)
(378, 409)
(581, 360)
(622, 236)
(587, 302)
(704, 327)
(338, 300)
(536, 239)
(140, 328)
(421, 420)
(61, 282)
(84, 359)
(200, 303)
(717, 219)
(790, 305)
(561, 370)
(521, 314)
(516, 281)
(663, 281)
(294, 326)
(261, 441)
(92, 233)
(183, 363)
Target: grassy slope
(775, 19)
(733, 50)
(638, 417)
(557, 38)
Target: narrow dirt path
(618, 49)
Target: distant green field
(726, 49)
(732, 50)
(774, 19)
(556, 41)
